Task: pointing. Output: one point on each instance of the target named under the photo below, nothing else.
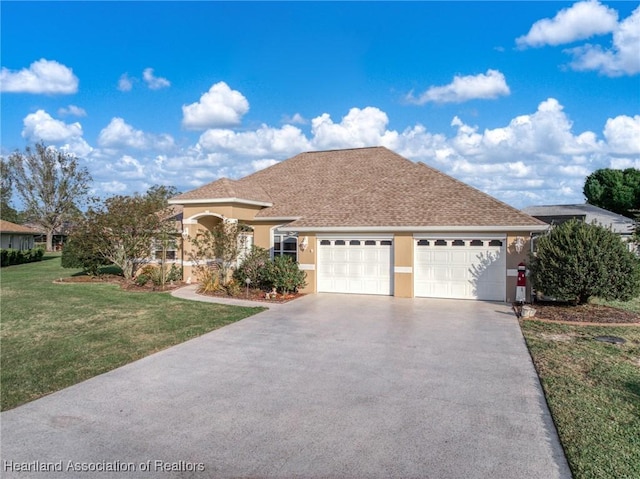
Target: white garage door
(355, 265)
(469, 268)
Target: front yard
(56, 335)
(593, 391)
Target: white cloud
(623, 58)
(42, 76)
(40, 126)
(72, 110)
(118, 134)
(464, 88)
(112, 187)
(296, 119)
(359, 128)
(287, 140)
(153, 82)
(262, 164)
(623, 135)
(218, 108)
(125, 83)
(128, 167)
(580, 21)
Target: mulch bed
(586, 313)
(119, 280)
(255, 295)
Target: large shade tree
(614, 190)
(51, 184)
(7, 212)
(121, 231)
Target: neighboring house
(558, 214)
(369, 221)
(59, 235)
(13, 236)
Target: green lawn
(593, 391)
(56, 335)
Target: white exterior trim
(385, 236)
(415, 229)
(403, 269)
(307, 267)
(278, 218)
(220, 200)
(455, 236)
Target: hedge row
(9, 257)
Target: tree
(161, 194)
(614, 190)
(7, 212)
(575, 261)
(223, 243)
(122, 231)
(52, 185)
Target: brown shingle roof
(367, 187)
(226, 188)
(9, 227)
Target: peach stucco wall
(205, 215)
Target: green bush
(78, 254)
(9, 257)
(141, 279)
(284, 274)
(253, 267)
(576, 261)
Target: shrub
(153, 273)
(9, 257)
(283, 274)
(77, 254)
(575, 261)
(253, 267)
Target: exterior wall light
(519, 244)
(304, 243)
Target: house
(13, 236)
(558, 214)
(368, 221)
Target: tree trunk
(49, 240)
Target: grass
(593, 391)
(56, 335)
(633, 305)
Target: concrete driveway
(328, 386)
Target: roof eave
(219, 200)
(417, 229)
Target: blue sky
(519, 99)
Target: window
(325, 243)
(285, 244)
(457, 243)
(495, 243)
(168, 248)
(339, 243)
(423, 242)
(477, 243)
(440, 243)
(386, 243)
(369, 243)
(354, 243)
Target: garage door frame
(351, 284)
